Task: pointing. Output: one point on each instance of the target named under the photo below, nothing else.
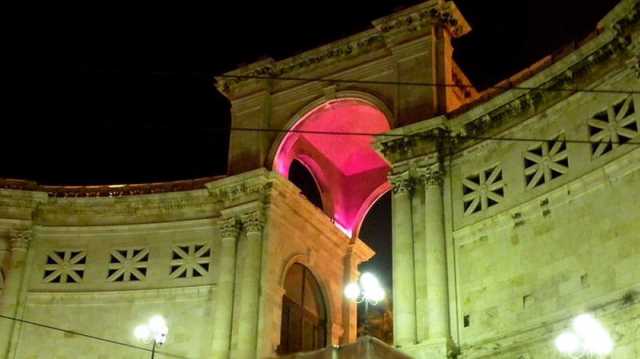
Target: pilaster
(252, 225)
(404, 318)
(229, 230)
(11, 295)
(437, 294)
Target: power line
(400, 135)
(90, 336)
(427, 84)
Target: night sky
(118, 94)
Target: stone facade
(212, 261)
(513, 210)
(539, 224)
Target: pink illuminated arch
(349, 173)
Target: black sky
(107, 93)
(110, 93)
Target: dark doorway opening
(304, 321)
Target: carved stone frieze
(236, 191)
(422, 17)
(130, 205)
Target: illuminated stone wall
(101, 266)
(533, 232)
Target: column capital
(401, 182)
(19, 239)
(229, 227)
(431, 175)
(252, 221)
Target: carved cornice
(250, 187)
(252, 221)
(413, 144)
(421, 17)
(354, 46)
(229, 228)
(19, 239)
(552, 90)
(521, 107)
(161, 203)
(417, 19)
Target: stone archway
(350, 174)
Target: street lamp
(587, 338)
(154, 331)
(367, 290)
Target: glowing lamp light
(352, 291)
(154, 331)
(368, 281)
(142, 333)
(376, 294)
(567, 343)
(367, 289)
(586, 337)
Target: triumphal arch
(514, 209)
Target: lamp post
(587, 338)
(154, 331)
(367, 290)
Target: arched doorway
(304, 318)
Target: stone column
(223, 311)
(18, 245)
(252, 223)
(437, 286)
(404, 305)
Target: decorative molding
(545, 161)
(617, 124)
(536, 98)
(421, 17)
(356, 45)
(482, 190)
(19, 239)
(402, 183)
(65, 266)
(252, 221)
(531, 101)
(258, 185)
(432, 175)
(128, 206)
(229, 228)
(190, 261)
(102, 297)
(128, 265)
